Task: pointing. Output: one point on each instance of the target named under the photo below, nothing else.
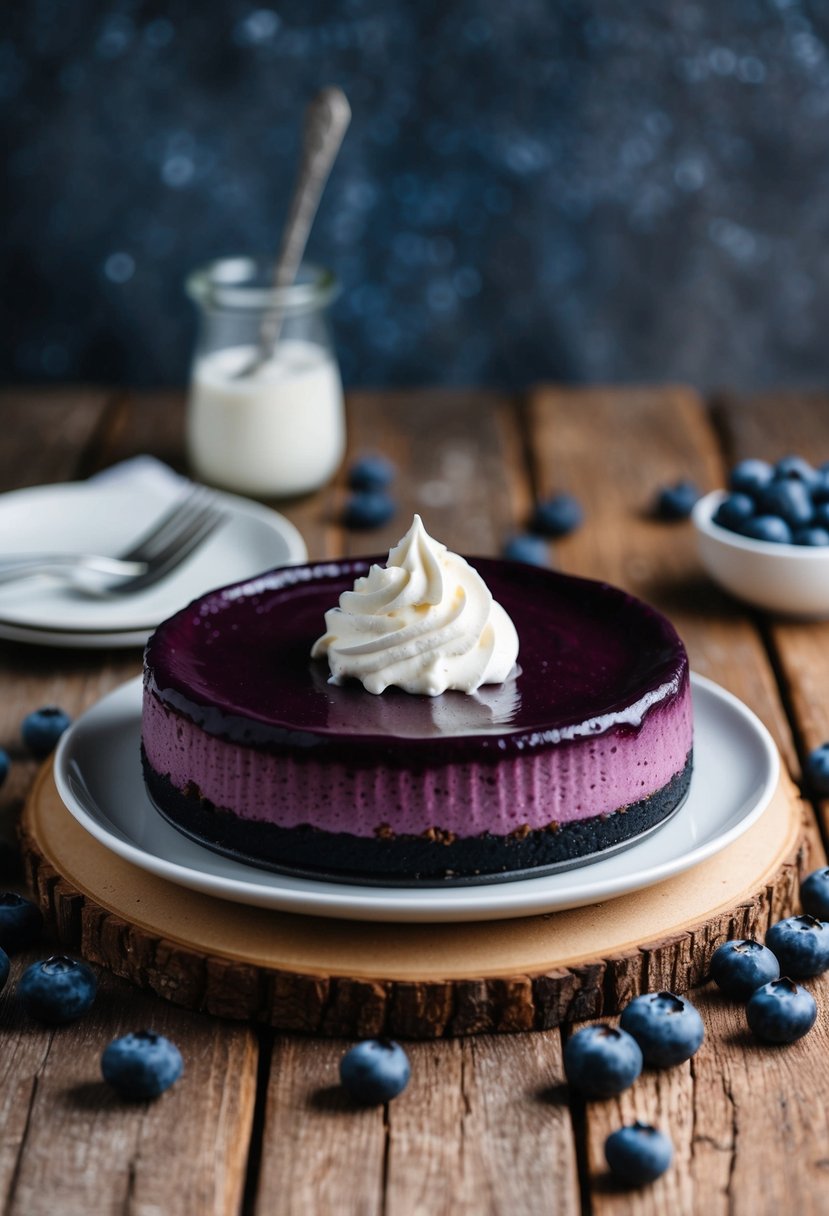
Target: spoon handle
(326, 122)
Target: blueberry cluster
(60, 989)
(783, 503)
(370, 504)
(778, 1009)
(658, 1029)
(552, 518)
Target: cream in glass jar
(279, 429)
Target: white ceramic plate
(98, 774)
(106, 518)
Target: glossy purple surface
(592, 659)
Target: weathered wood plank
(483, 1128)
(321, 1152)
(457, 455)
(70, 1145)
(46, 431)
(747, 1135)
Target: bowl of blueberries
(766, 538)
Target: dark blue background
(572, 190)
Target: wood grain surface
(487, 1124)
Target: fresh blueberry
(769, 528)
(666, 1027)
(733, 511)
(57, 990)
(814, 537)
(820, 519)
(816, 770)
(375, 1071)
(788, 499)
(20, 922)
(142, 1064)
(801, 944)
(5, 765)
(42, 728)
(738, 967)
(781, 1011)
(750, 476)
(557, 516)
(524, 548)
(638, 1154)
(795, 468)
(676, 501)
(371, 473)
(820, 487)
(601, 1061)
(368, 509)
(814, 894)
(5, 968)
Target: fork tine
(166, 526)
(174, 553)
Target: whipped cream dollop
(426, 622)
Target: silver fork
(158, 552)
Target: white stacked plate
(106, 517)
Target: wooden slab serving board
(339, 977)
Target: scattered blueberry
(733, 511)
(638, 1154)
(20, 922)
(795, 468)
(42, 729)
(781, 1012)
(557, 516)
(5, 968)
(801, 944)
(814, 894)
(375, 1071)
(816, 769)
(371, 473)
(666, 1027)
(769, 528)
(524, 548)
(676, 501)
(59, 989)
(368, 509)
(815, 537)
(790, 500)
(5, 765)
(750, 476)
(142, 1064)
(738, 967)
(601, 1061)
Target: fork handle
(67, 565)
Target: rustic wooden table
(257, 1125)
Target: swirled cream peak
(426, 622)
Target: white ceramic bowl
(789, 579)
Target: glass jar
(280, 428)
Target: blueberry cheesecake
(425, 719)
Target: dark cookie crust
(436, 858)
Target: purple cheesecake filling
(597, 717)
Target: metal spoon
(326, 122)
